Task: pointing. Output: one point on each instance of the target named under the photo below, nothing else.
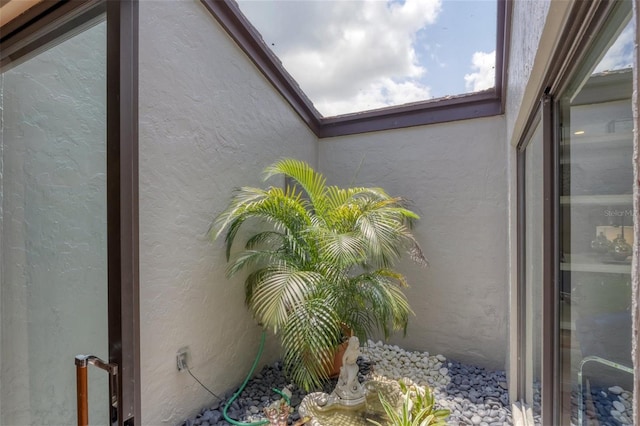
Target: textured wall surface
(455, 174)
(209, 122)
(54, 248)
(528, 23)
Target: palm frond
(415, 251)
(339, 196)
(385, 226)
(265, 238)
(284, 246)
(381, 298)
(242, 197)
(312, 182)
(309, 341)
(279, 289)
(251, 259)
(341, 250)
(359, 321)
(272, 206)
(383, 236)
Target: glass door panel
(533, 268)
(596, 220)
(54, 231)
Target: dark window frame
(585, 20)
(474, 105)
(37, 29)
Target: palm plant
(324, 261)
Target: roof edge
(228, 14)
(447, 109)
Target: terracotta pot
(337, 359)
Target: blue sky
(462, 28)
(620, 53)
(355, 55)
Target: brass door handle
(82, 389)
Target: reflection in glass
(54, 231)
(533, 269)
(595, 219)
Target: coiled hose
(244, 384)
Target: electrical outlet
(182, 358)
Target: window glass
(54, 281)
(596, 222)
(533, 269)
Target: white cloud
(620, 54)
(347, 55)
(483, 76)
(379, 94)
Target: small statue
(348, 387)
(349, 392)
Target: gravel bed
(604, 406)
(474, 395)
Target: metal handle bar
(82, 389)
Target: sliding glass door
(531, 162)
(54, 231)
(595, 149)
(68, 212)
(575, 171)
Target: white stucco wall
(522, 53)
(455, 174)
(535, 31)
(209, 122)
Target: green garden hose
(244, 384)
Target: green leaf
(281, 289)
(322, 257)
(309, 340)
(417, 408)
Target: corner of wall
(209, 122)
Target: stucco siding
(455, 175)
(536, 30)
(528, 19)
(209, 122)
